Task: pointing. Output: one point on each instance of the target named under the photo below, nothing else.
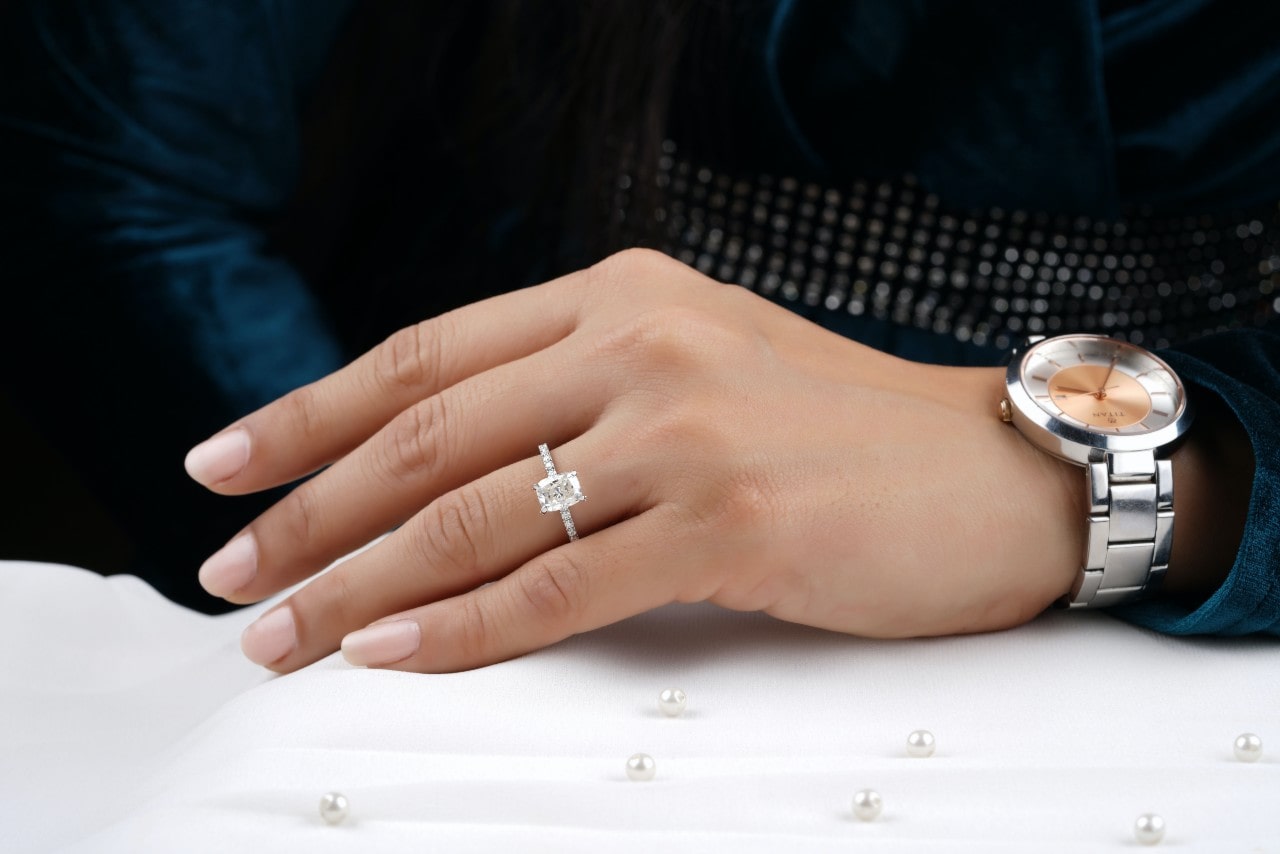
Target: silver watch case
(1078, 444)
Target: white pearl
(867, 804)
(920, 744)
(334, 807)
(672, 701)
(1248, 747)
(1148, 829)
(641, 767)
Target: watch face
(1102, 385)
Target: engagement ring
(558, 491)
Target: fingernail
(231, 567)
(218, 459)
(271, 637)
(382, 643)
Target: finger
(318, 423)
(473, 534)
(616, 573)
(435, 445)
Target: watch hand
(1079, 392)
(1102, 386)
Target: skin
(731, 452)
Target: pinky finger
(608, 576)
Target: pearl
(672, 701)
(641, 767)
(920, 744)
(1248, 747)
(1148, 829)
(867, 804)
(334, 807)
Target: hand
(732, 452)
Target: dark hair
(593, 83)
(431, 118)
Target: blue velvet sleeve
(144, 146)
(1243, 368)
(1079, 106)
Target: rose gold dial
(1099, 396)
(1101, 384)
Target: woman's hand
(730, 450)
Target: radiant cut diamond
(559, 491)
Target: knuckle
(409, 358)
(474, 636)
(302, 514)
(741, 503)
(628, 263)
(414, 439)
(328, 604)
(554, 588)
(303, 409)
(669, 338)
(752, 501)
(454, 526)
(668, 428)
(690, 429)
(749, 500)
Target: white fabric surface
(130, 724)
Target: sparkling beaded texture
(891, 251)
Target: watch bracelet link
(1130, 529)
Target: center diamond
(559, 491)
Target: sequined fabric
(893, 251)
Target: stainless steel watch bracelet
(1130, 529)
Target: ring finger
(475, 533)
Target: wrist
(1046, 494)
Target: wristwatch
(1117, 410)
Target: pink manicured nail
(382, 643)
(231, 567)
(271, 637)
(218, 459)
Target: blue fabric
(1242, 368)
(1072, 105)
(142, 147)
(146, 146)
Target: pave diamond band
(558, 491)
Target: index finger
(320, 422)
